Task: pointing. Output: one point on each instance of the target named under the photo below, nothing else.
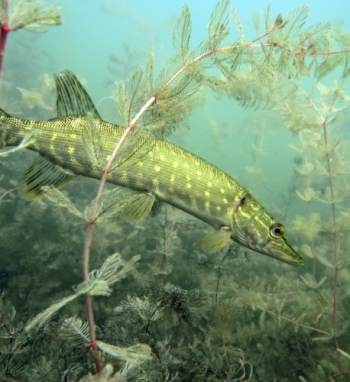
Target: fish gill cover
(176, 312)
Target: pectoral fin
(138, 207)
(215, 240)
(42, 173)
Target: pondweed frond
(135, 354)
(112, 270)
(60, 200)
(32, 15)
(92, 142)
(145, 309)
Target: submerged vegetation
(176, 313)
(28, 15)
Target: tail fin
(4, 114)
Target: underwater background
(234, 315)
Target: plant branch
(289, 320)
(4, 30)
(336, 376)
(335, 234)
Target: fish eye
(276, 230)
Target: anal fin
(215, 240)
(138, 207)
(42, 173)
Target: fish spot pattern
(71, 150)
(157, 168)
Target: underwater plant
(29, 15)
(224, 307)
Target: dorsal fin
(72, 99)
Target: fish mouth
(284, 253)
(279, 248)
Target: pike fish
(156, 169)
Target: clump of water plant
(29, 15)
(220, 323)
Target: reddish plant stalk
(4, 30)
(89, 311)
(335, 376)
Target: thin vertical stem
(89, 311)
(4, 30)
(88, 240)
(335, 234)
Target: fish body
(156, 168)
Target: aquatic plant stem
(88, 240)
(3, 37)
(286, 318)
(88, 302)
(335, 233)
(4, 30)
(333, 377)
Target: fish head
(253, 227)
